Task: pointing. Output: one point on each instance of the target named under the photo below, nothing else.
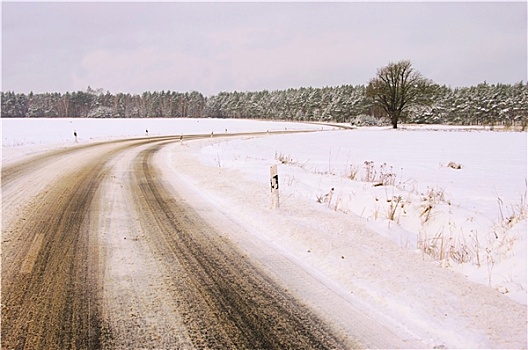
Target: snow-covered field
(456, 197)
(44, 131)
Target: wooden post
(274, 181)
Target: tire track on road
(28, 164)
(51, 289)
(224, 300)
(54, 305)
(53, 262)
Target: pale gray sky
(212, 47)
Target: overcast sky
(212, 47)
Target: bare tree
(398, 86)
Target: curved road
(97, 253)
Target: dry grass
(284, 159)
(454, 165)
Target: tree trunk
(394, 121)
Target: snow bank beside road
(398, 287)
(457, 197)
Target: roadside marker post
(329, 197)
(274, 181)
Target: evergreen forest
(483, 104)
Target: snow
(455, 197)
(454, 213)
(21, 136)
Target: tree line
(96, 104)
(413, 98)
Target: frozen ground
(455, 198)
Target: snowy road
(98, 254)
(132, 244)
